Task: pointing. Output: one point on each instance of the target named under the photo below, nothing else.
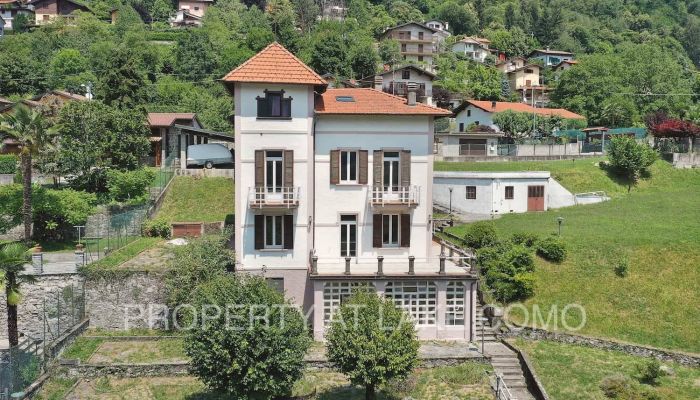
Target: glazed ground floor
(443, 307)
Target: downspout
(313, 181)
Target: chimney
(412, 93)
(378, 82)
(493, 105)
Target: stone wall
(692, 360)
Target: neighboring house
(195, 7)
(418, 43)
(468, 144)
(337, 82)
(439, 25)
(496, 193)
(47, 10)
(184, 18)
(551, 58)
(525, 79)
(475, 112)
(328, 175)
(561, 67)
(442, 31)
(397, 81)
(9, 10)
(475, 48)
(333, 10)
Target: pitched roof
(500, 106)
(548, 51)
(570, 62)
(368, 101)
(167, 119)
(409, 66)
(69, 95)
(411, 23)
(274, 64)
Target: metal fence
(59, 311)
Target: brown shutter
(259, 168)
(377, 168)
(405, 230)
(289, 232)
(335, 167)
(377, 230)
(259, 232)
(405, 168)
(362, 162)
(288, 161)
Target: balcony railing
(401, 89)
(274, 197)
(395, 195)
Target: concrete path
(56, 263)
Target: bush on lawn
(157, 227)
(240, 356)
(371, 341)
(480, 234)
(620, 387)
(622, 267)
(650, 371)
(8, 163)
(527, 239)
(196, 263)
(129, 186)
(507, 271)
(551, 248)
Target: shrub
(480, 234)
(507, 271)
(616, 386)
(649, 371)
(527, 239)
(621, 267)
(551, 248)
(254, 347)
(158, 227)
(129, 185)
(8, 163)
(629, 158)
(371, 341)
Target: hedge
(8, 164)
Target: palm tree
(13, 257)
(29, 129)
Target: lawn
(124, 254)
(570, 372)
(147, 351)
(195, 199)
(657, 228)
(466, 381)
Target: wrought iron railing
(395, 195)
(501, 389)
(264, 196)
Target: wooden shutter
(259, 232)
(405, 230)
(288, 161)
(363, 167)
(335, 167)
(377, 230)
(377, 168)
(289, 232)
(405, 161)
(259, 168)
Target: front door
(535, 198)
(158, 156)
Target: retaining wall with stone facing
(691, 360)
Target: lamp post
(559, 221)
(450, 201)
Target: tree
(468, 78)
(30, 130)
(160, 10)
(70, 70)
(514, 124)
(281, 15)
(514, 42)
(13, 257)
(306, 12)
(195, 57)
(371, 341)
(511, 16)
(462, 17)
(252, 343)
(618, 111)
(629, 158)
(122, 82)
(404, 12)
(548, 26)
(364, 61)
(389, 51)
(330, 53)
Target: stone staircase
(483, 327)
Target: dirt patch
(137, 388)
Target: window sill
(350, 184)
(276, 118)
(274, 250)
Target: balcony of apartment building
(392, 180)
(274, 185)
(273, 197)
(408, 37)
(401, 89)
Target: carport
(188, 135)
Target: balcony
(395, 196)
(278, 197)
(401, 89)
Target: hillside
(655, 227)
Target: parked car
(208, 155)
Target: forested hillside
(635, 56)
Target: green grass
(146, 351)
(570, 372)
(131, 332)
(657, 228)
(82, 348)
(194, 199)
(56, 388)
(123, 254)
(578, 176)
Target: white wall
(252, 134)
(450, 145)
(371, 133)
(477, 114)
(558, 196)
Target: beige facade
(197, 8)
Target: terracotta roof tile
(562, 112)
(501, 106)
(368, 101)
(275, 64)
(167, 119)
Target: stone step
(508, 369)
(505, 365)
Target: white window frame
(347, 169)
(417, 298)
(393, 162)
(345, 226)
(277, 164)
(455, 301)
(387, 229)
(274, 219)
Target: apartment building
(418, 43)
(334, 192)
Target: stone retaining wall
(691, 360)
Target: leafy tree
(629, 158)
(128, 20)
(281, 15)
(404, 12)
(31, 131)
(364, 61)
(195, 58)
(160, 10)
(306, 13)
(618, 111)
(692, 45)
(389, 51)
(371, 341)
(70, 70)
(462, 18)
(511, 17)
(514, 42)
(548, 26)
(13, 256)
(469, 78)
(253, 346)
(514, 124)
(122, 82)
(507, 271)
(330, 53)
